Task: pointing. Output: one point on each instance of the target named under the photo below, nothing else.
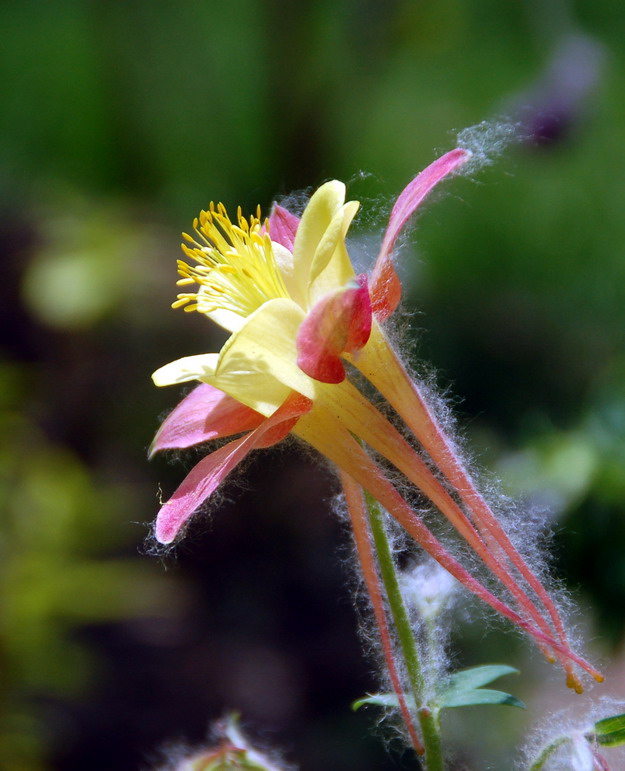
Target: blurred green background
(118, 122)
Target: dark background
(119, 121)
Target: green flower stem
(428, 717)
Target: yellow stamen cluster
(236, 269)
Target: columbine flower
(287, 292)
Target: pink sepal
(385, 284)
(206, 413)
(283, 226)
(210, 472)
(340, 322)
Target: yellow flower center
(236, 268)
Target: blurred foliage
(61, 568)
(84, 268)
(117, 116)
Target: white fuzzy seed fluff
(486, 141)
(429, 593)
(428, 589)
(581, 755)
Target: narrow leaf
(479, 696)
(610, 732)
(469, 679)
(382, 700)
(465, 698)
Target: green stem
(428, 716)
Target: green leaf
(461, 689)
(479, 696)
(610, 732)
(382, 700)
(476, 677)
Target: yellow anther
(235, 267)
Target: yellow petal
(264, 349)
(262, 392)
(335, 232)
(319, 213)
(226, 319)
(332, 267)
(189, 368)
(286, 265)
(251, 387)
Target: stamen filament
(236, 269)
